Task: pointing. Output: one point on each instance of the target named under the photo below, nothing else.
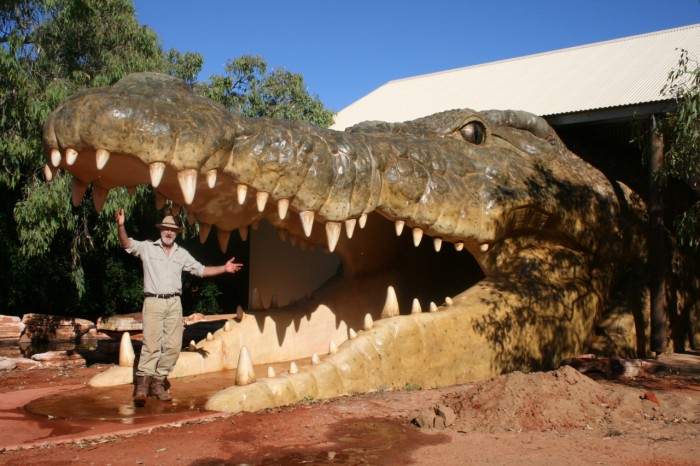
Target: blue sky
(346, 49)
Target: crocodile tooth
(315, 360)
(391, 304)
(333, 234)
(362, 220)
(282, 207)
(293, 239)
(101, 158)
(448, 301)
(293, 369)
(256, 300)
(437, 244)
(243, 232)
(417, 236)
(71, 156)
(204, 229)
(160, 201)
(433, 307)
(484, 247)
(126, 351)
(273, 302)
(271, 372)
(211, 178)
(261, 200)
(239, 313)
(415, 308)
(188, 184)
(459, 246)
(227, 326)
(350, 227)
(48, 173)
(307, 221)
(156, 170)
(332, 348)
(352, 334)
(245, 374)
(223, 237)
(210, 337)
(369, 322)
(399, 227)
(78, 191)
(55, 157)
(99, 196)
(283, 235)
(242, 192)
(192, 346)
(175, 209)
(191, 217)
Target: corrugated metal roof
(613, 73)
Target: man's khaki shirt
(162, 274)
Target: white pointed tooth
(160, 201)
(99, 196)
(282, 207)
(55, 157)
(449, 301)
(350, 227)
(484, 247)
(293, 369)
(261, 199)
(240, 314)
(437, 244)
(271, 372)
(223, 237)
(315, 360)
(307, 221)
(71, 156)
(459, 246)
(210, 337)
(333, 234)
(273, 302)
(391, 304)
(415, 308)
(245, 374)
(211, 178)
(48, 173)
(243, 232)
(332, 348)
(101, 158)
(417, 236)
(126, 351)
(362, 221)
(156, 170)
(352, 334)
(433, 307)
(204, 229)
(283, 235)
(188, 184)
(192, 346)
(369, 322)
(242, 192)
(227, 326)
(78, 191)
(398, 225)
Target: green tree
(249, 89)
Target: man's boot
(141, 390)
(159, 390)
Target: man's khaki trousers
(162, 336)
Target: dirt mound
(544, 401)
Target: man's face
(167, 236)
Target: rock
(26, 363)
(444, 415)
(438, 417)
(60, 359)
(121, 323)
(7, 364)
(41, 327)
(11, 328)
(425, 418)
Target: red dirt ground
(558, 417)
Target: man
(163, 263)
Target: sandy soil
(558, 417)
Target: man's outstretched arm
(229, 267)
(123, 237)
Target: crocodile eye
(473, 132)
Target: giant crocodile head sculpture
(539, 237)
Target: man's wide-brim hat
(169, 223)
